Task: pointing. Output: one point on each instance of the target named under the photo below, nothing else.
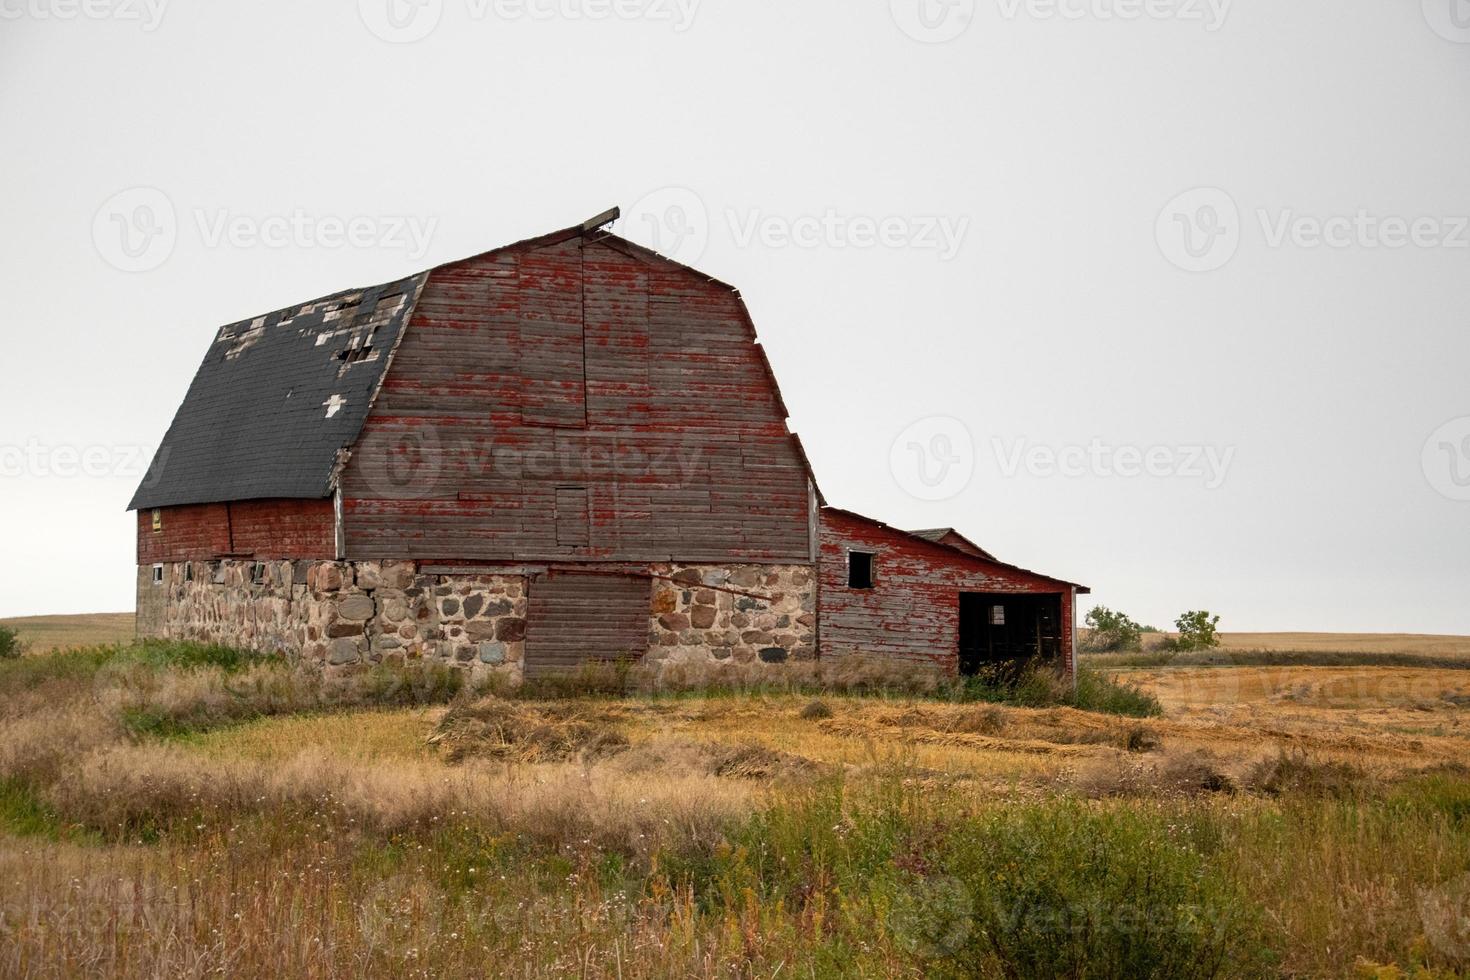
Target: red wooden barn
(565, 449)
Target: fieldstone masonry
(740, 612)
(340, 614)
(343, 615)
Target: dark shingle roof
(276, 397)
(939, 534)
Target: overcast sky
(1164, 296)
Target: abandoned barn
(566, 449)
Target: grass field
(46, 633)
(176, 811)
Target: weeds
(659, 834)
(11, 646)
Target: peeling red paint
(912, 611)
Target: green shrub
(1038, 685)
(11, 646)
(1061, 889)
(1196, 630)
(1111, 632)
(1097, 691)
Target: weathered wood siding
(541, 376)
(263, 529)
(912, 613)
(575, 618)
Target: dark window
(859, 570)
(188, 571)
(257, 574)
(157, 574)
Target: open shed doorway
(1006, 630)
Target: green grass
(1041, 688)
(25, 814)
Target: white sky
(1052, 142)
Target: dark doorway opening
(1006, 630)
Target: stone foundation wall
(340, 614)
(739, 612)
(347, 614)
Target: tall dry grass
(655, 836)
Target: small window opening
(859, 570)
(257, 573)
(188, 571)
(157, 519)
(997, 615)
(157, 574)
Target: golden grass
(47, 633)
(334, 843)
(1429, 645)
(396, 736)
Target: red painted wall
(577, 375)
(913, 612)
(262, 529)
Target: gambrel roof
(279, 397)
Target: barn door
(578, 618)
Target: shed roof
(277, 397)
(949, 536)
(958, 553)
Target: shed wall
(912, 612)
